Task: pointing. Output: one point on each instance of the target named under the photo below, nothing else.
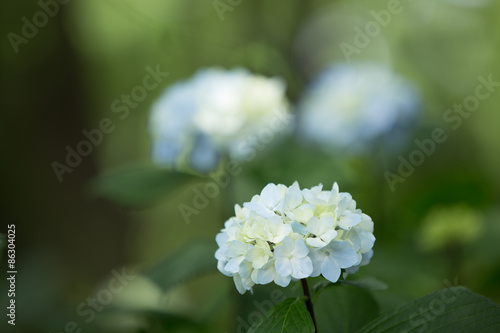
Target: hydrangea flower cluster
(196, 121)
(350, 106)
(286, 234)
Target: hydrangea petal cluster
(351, 105)
(288, 233)
(214, 113)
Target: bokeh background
(442, 224)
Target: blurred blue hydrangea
(356, 106)
(215, 113)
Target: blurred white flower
(352, 106)
(214, 113)
(286, 234)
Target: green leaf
(289, 316)
(344, 309)
(455, 309)
(193, 259)
(140, 187)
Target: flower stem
(309, 304)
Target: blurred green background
(65, 78)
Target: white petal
(366, 223)
(342, 205)
(285, 248)
(335, 190)
(270, 195)
(293, 197)
(344, 254)
(316, 242)
(330, 269)
(328, 236)
(260, 262)
(264, 275)
(300, 250)
(282, 281)
(312, 198)
(247, 284)
(352, 270)
(326, 224)
(236, 249)
(259, 208)
(298, 228)
(366, 257)
(282, 232)
(302, 268)
(314, 226)
(233, 265)
(245, 269)
(349, 221)
(220, 254)
(221, 238)
(317, 257)
(239, 285)
(353, 236)
(367, 241)
(220, 267)
(283, 267)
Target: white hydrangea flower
(214, 113)
(292, 260)
(354, 105)
(285, 234)
(329, 260)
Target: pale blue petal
(330, 269)
(282, 281)
(367, 241)
(300, 250)
(317, 257)
(286, 246)
(233, 265)
(302, 268)
(298, 228)
(344, 254)
(283, 266)
(264, 275)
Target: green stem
(309, 304)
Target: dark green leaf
(344, 309)
(140, 187)
(289, 316)
(455, 309)
(191, 260)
